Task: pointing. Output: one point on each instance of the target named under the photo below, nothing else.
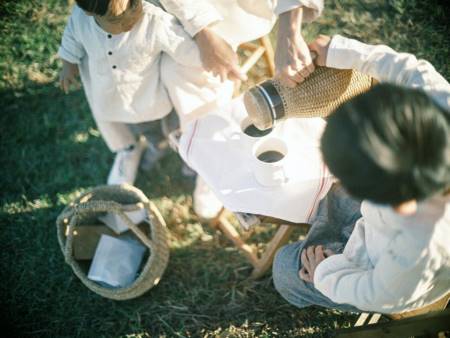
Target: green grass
(51, 151)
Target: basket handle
(103, 206)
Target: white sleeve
(194, 15)
(402, 275)
(312, 9)
(174, 41)
(387, 65)
(71, 48)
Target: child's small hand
(218, 57)
(68, 76)
(310, 258)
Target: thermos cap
(264, 105)
(258, 109)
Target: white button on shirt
(121, 72)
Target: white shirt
(121, 73)
(391, 263)
(237, 21)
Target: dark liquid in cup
(270, 156)
(252, 131)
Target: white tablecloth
(221, 153)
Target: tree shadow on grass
(49, 141)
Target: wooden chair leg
(214, 223)
(362, 318)
(229, 231)
(252, 59)
(375, 318)
(249, 46)
(428, 325)
(265, 262)
(269, 54)
(221, 223)
(261, 49)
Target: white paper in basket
(116, 261)
(221, 153)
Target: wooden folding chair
(261, 262)
(428, 321)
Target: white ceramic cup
(271, 173)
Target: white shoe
(126, 164)
(206, 204)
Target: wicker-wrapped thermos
(318, 96)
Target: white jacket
(237, 21)
(391, 263)
(121, 73)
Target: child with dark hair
(126, 51)
(389, 147)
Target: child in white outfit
(118, 48)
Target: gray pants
(331, 228)
(120, 136)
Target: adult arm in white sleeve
(71, 48)
(194, 15)
(312, 9)
(175, 42)
(387, 65)
(398, 282)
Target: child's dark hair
(389, 145)
(101, 7)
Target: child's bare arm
(293, 62)
(216, 54)
(71, 50)
(68, 75)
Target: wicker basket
(116, 199)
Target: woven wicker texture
(318, 96)
(116, 199)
